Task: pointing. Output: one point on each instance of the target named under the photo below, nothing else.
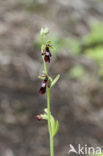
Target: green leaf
(56, 127)
(52, 121)
(50, 79)
(55, 80)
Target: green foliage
(55, 80)
(94, 42)
(74, 45)
(96, 34)
(96, 54)
(77, 72)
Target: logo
(84, 149)
(72, 149)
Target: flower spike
(47, 83)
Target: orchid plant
(46, 85)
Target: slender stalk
(52, 145)
(48, 105)
(45, 67)
(49, 112)
(49, 126)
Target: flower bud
(38, 117)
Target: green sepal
(48, 42)
(44, 116)
(52, 47)
(41, 77)
(55, 80)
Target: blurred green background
(76, 30)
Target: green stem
(52, 146)
(49, 125)
(45, 67)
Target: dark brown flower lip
(47, 58)
(42, 90)
(43, 86)
(47, 53)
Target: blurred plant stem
(48, 102)
(49, 125)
